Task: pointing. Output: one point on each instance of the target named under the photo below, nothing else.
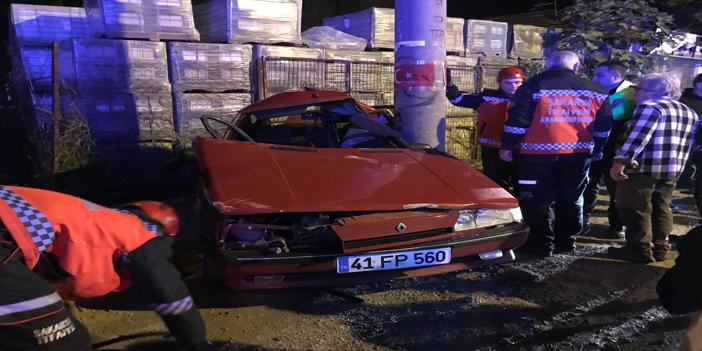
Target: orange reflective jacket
(87, 238)
(492, 115)
(563, 122)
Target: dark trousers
(46, 328)
(644, 208)
(599, 170)
(551, 189)
(501, 172)
(697, 158)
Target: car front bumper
(288, 271)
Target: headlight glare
(480, 218)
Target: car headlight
(480, 218)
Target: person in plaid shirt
(648, 164)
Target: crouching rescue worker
(84, 250)
(491, 106)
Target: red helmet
(159, 212)
(510, 72)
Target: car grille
(354, 244)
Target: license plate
(393, 260)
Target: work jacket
(87, 240)
(558, 113)
(491, 106)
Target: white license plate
(393, 260)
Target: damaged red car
(312, 188)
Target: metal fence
(372, 82)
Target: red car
(312, 188)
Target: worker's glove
(452, 91)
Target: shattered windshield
(324, 126)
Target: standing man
(84, 250)
(658, 141)
(692, 97)
(562, 122)
(491, 106)
(622, 98)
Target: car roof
(301, 97)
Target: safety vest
(492, 115)
(562, 122)
(87, 239)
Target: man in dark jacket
(491, 106)
(692, 97)
(622, 97)
(680, 288)
(560, 122)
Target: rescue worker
(491, 106)
(561, 122)
(622, 98)
(84, 250)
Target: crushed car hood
(243, 178)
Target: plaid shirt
(659, 138)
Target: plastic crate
(213, 68)
(250, 21)
(375, 24)
(142, 19)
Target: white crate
(486, 37)
(455, 41)
(42, 25)
(120, 65)
(375, 24)
(142, 19)
(189, 107)
(250, 21)
(210, 68)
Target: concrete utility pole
(420, 59)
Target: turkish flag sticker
(417, 75)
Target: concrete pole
(420, 58)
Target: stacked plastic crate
(371, 71)
(124, 92)
(375, 24)
(142, 19)
(208, 80)
(486, 37)
(250, 21)
(33, 29)
(455, 37)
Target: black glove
(452, 91)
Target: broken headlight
(481, 218)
